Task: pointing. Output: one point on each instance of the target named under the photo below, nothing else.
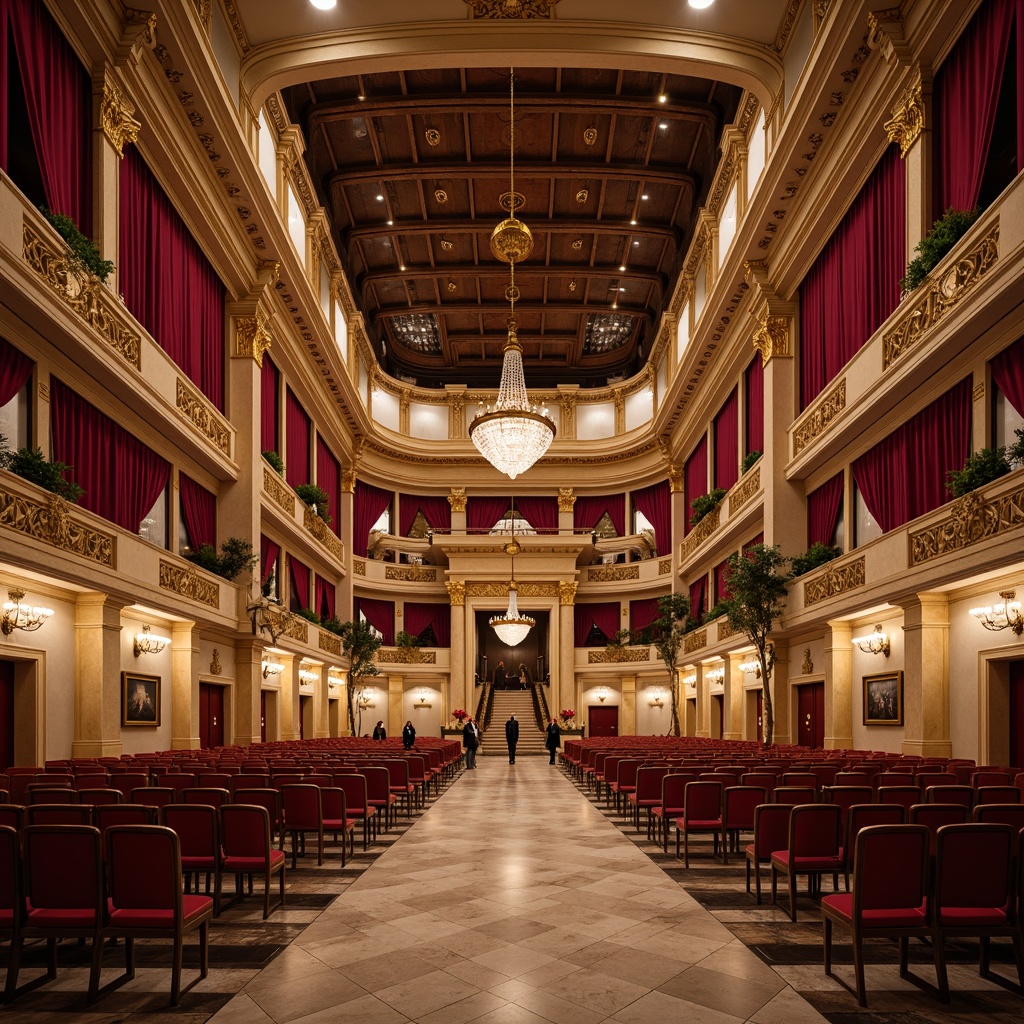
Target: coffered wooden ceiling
(613, 166)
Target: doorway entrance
(6, 714)
(603, 720)
(1016, 711)
(810, 729)
(211, 715)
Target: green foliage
(749, 460)
(721, 608)
(619, 640)
(236, 556)
(705, 503)
(316, 499)
(945, 233)
(274, 461)
(83, 251)
(407, 640)
(360, 644)
(666, 633)
(332, 625)
(981, 467)
(1015, 451)
(308, 614)
(32, 465)
(817, 554)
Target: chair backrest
(11, 901)
(154, 796)
(105, 816)
(949, 795)
(196, 826)
(266, 797)
(890, 868)
(824, 773)
(210, 795)
(894, 779)
(990, 778)
(852, 779)
(997, 795)
(58, 814)
(398, 771)
(794, 795)
(933, 778)
(355, 791)
(217, 780)
(1002, 814)
(47, 852)
(800, 779)
(905, 795)
(959, 883)
(378, 783)
(815, 830)
(248, 780)
(847, 796)
(648, 782)
(179, 780)
(300, 805)
(861, 816)
(144, 865)
(936, 816)
(127, 781)
(739, 804)
(332, 804)
(766, 780)
(94, 797)
(673, 791)
(245, 830)
(702, 801)
(43, 794)
(12, 816)
(771, 829)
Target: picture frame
(140, 700)
(883, 698)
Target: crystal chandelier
(513, 434)
(512, 627)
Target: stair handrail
(539, 705)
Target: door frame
(30, 700)
(993, 690)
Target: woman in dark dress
(379, 732)
(408, 736)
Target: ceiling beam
(497, 271)
(554, 227)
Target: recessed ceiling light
(622, 269)
(663, 126)
(380, 199)
(622, 289)
(361, 97)
(633, 223)
(401, 267)
(699, 5)
(663, 98)
(324, 5)
(645, 197)
(636, 243)
(390, 223)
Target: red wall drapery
(854, 284)
(698, 597)
(270, 407)
(482, 513)
(904, 475)
(199, 510)
(438, 616)
(605, 616)
(754, 390)
(15, 369)
(655, 502)
(823, 507)
(1007, 372)
(695, 477)
(328, 479)
(642, 613)
(324, 597)
(268, 558)
(121, 476)
(722, 581)
(587, 512)
(379, 614)
(368, 505)
(167, 282)
(299, 573)
(541, 513)
(727, 442)
(436, 510)
(297, 428)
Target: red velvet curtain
(695, 477)
(439, 616)
(436, 510)
(642, 613)
(368, 505)
(324, 593)
(58, 95)
(199, 511)
(587, 512)
(379, 614)
(540, 513)
(121, 476)
(754, 389)
(966, 97)
(722, 581)
(328, 479)
(823, 507)
(299, 573)
(904, 475)
(15, 369)
(605, 616)
(727, 442)
(483, 513)
(698, 597)
(655, 502)
(268, 557)
(167, 282)
(1007, 372)
(270, 407)
(297, 429)
(854, 284)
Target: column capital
(908, 118)
(456, 593)
(457, 499)
(566, 499)
(774, 317)
(567, 592)
(886, 34)
(252, 320)
(115, 111)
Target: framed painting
(140, 699)
(883, 699)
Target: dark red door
(603, 720)
(760, 716)
(1016, 712)
(6, 714)
(717, 715)
(263, 716)
(811, 714)
(211, 715)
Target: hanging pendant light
(513, 627)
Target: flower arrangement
(460, 715)
(567, 715)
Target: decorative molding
(618, 654)
(808, 666)
(612, 573)
(410, 574)
(358, 567)
(204, 8)
(197, 410)
(834, 580)
(252, 339)
(475, 589)
(566, 499)
(700, 533)
(907, 121)
(215, 666)
(116, 118)
(43, 390)
(186, 583)
(323, 533)
(676, 480)
(771, 337)
(329, 643)
(725, 629)
(970, 519)
(295, 628)
(885, 34)
(348, 480)
(82, 292)
(786, 25)
(749, 485)
(664, 566)
(278, 490)
(567, 592)
(695, 641)
(511, 8)
(138, 29)
(405, 656)
(940, 296)
(979, 391)
(53, 524)
(457, 499)
(456, 593)
(819, 417)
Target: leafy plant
(704, 504)
(83, 251)
(32, 465)
(817, 554)
(236, 556)
(274, 461)
(316, 499)
(407, 640)
(268, 585)
(945, 233)
(1015, 451)
(360, 643)
(666, 633)
(620, 639)
(332, 625)
(719, 609)
(309, 615)
(981, 467)
(749, 460)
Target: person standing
(470, 740)
(379, 732)
(512, 737)
(408, 736)
(553, 740)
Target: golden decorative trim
(278, 490)
(252, 339)
(567, 592)
(295, 627)
(819, 417)
(834, 580)
(323, 533)
(358, 567)
(885, 34)
(138, 29)
(808, 666)
(215, 666)
(676, 480)
(748, 486)
(940, 296)
(197, 410)
(613, 573)
(979, 391)
(700, 533)
(664, 566)
(43, 390)
(618, 654)
(695, 641)
(405, 656)
(723, 179)
(204, 8)
(186, 583)
(53, 524)
(475, 589)
(786, 25)
(410, 574)
(82, 292)
(456, 592)
(348, 480)
(771, 338)
(457, 499)
(907, 121)
(116, 118)
(725, 629)
(970, 519)
(329, 643)
(566, 499)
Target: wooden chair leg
(176, 968)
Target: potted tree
(360, 643)
(666, 633)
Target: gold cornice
(116, 119)
(512, 9)
(51, 522)
(235, 21)
(786, 25)
(819, 417)
(480, 589)
(886, 34)
(567, 592)
(907, 121)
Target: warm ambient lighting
(22, 616)
(602, 693)
(148, 642)
(699, 5)
(329, 5)
(751, 666)
(512, 627)
(873, 643)
(272, 668)
(657, 697)
(689, 680)
(512, 435)
(715, 675)
(1005, 615)
(308, 675)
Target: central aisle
(514, 901)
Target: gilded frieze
(834, 580)
(664, 566)
(725, 629)
(405, 656)
(53, 524)
(410, 574)
(319, 529)
(820, 416)
(475, 589)
(613, 573)
(567, 592)
(748, 486)
(512, 8)
(278, 490)
(329, 643)
(700, 533)
(186, 583)
(618, 654)
(201, 415)
(695, 641)
(970, 519)
(358, 567)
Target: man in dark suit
(553, 740)
(470, 740)
(512, 737)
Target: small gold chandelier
(512, 627)
(513, 434)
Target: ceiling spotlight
(645, 197)
(699, 5)
(401, 267)
(622, 269)
(663, 125)
(622, 289)
(380, 199)
(663, 98)
(390, 223)
(361, 97)
(325, 5)
(636, 244)
(633, 223)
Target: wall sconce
(421, 698)
(149, 643)
(308, 676)
(1001, 616)
(873, 643)
(715, 675)
(657, 698)
(365, 699)
(602, 693)
(689, 680)
(22, 616)
(335, 679)
(751, 666)
(272, 668)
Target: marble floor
(515, 898)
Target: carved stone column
(457, 500)
(97, 677)
(926, 675)
(703, 724)
(732, 698)
(396, 690)
(564, 680)
(780, 688)
(566, 502)
(246, 692)
(288, 698)
(627, 706)
(460, 677)
(838, 685)
(185, 686)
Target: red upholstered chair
(814, 849)
(794, 795)
(739, 805)
(269, 798)
(378, 792)
(58, 814)
(336, 819)
(647, 793)
(935, 816)
(852, 779)
(197, 827)
(154, 796)
(245, 840)
(178, 781)
(401, 787)
(209, 795)
(40, 793)
(766, 780)
(949, 795)
(106, 815)
(973, 902)
(991, 778)
(248, 780)
(926, 778)
(624, 782)
(997, 795)
(357, 803)
(127, 781)
(417, 776)
(905, 795)
(146, 899)
(12, 905)
(702, 812)
(861, 816)
(824, 773)
(302, 812)
(673, 788)
(1003, 814)
(95, 797)
(12, 816)
(894, 779)
(889, 898)
(847, 796)
(800, 779)
(215, 780)
(63, 904)
(771, 833)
